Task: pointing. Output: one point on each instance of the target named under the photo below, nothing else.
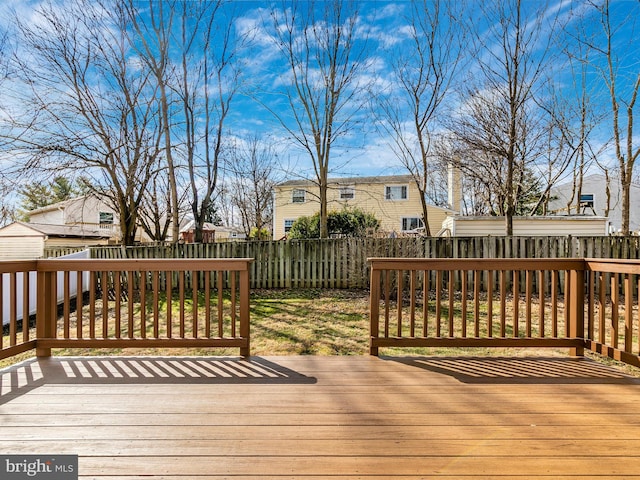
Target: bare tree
(208, 81)
(191, 48)
(86, 106)
(424, 69)
(500, 124)
(622, 80)
(155, 209)
(251, 170)
(324, 57)
(152, 37)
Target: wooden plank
(507, 465)
(318, 447)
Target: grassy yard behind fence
(308, 322)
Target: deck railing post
(576, 309)
(374, 308)
(245, 310)
(46, 308)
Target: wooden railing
(612, 317)
(474, 303)
(573, 303)
(125, 304)
(16, 294)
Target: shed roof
(67, 231)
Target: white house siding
(26, 248)
(571, 226)
(526, 226)
(595, 185)
(50, 217)
(18, 242)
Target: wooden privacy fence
(126, 304)
(575, 303)
(342, 262)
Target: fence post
(576, 309)
(46, 308)
(374, 308)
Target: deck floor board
(310, 417)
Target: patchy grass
(313, 322)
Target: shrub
(350, 222)
(262, 234)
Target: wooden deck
(325, 417)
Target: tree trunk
(324, 227)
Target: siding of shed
(478, 228)
(74, 242)
(475, 227)
(21, 248)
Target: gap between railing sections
(574, 303)
(47, 304)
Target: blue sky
(385, 26)
(366, 151)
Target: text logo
(50, 467)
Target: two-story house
(76, 222)
(88, 212)
(598, 199)
(394, 200)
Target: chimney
(454, 188)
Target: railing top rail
(131, 264)
(521, 264)
(13, 266)
(608, 265)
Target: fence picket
(342, 263)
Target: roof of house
(206, 226)
(381, 179)
(59, 205)
(74, 231)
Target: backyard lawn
(311, 322)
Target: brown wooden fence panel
(342, 263)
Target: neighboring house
(187, 233)
(88, 212)
(578, 225)
(21, 240)
(394, 200)
(593, 201)
(229, 234)
(211, 233)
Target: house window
(586, 200)
(412, 223)
(396, 192)
(106, 218)
(298, 196)
(347, 193)
(287, 225)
